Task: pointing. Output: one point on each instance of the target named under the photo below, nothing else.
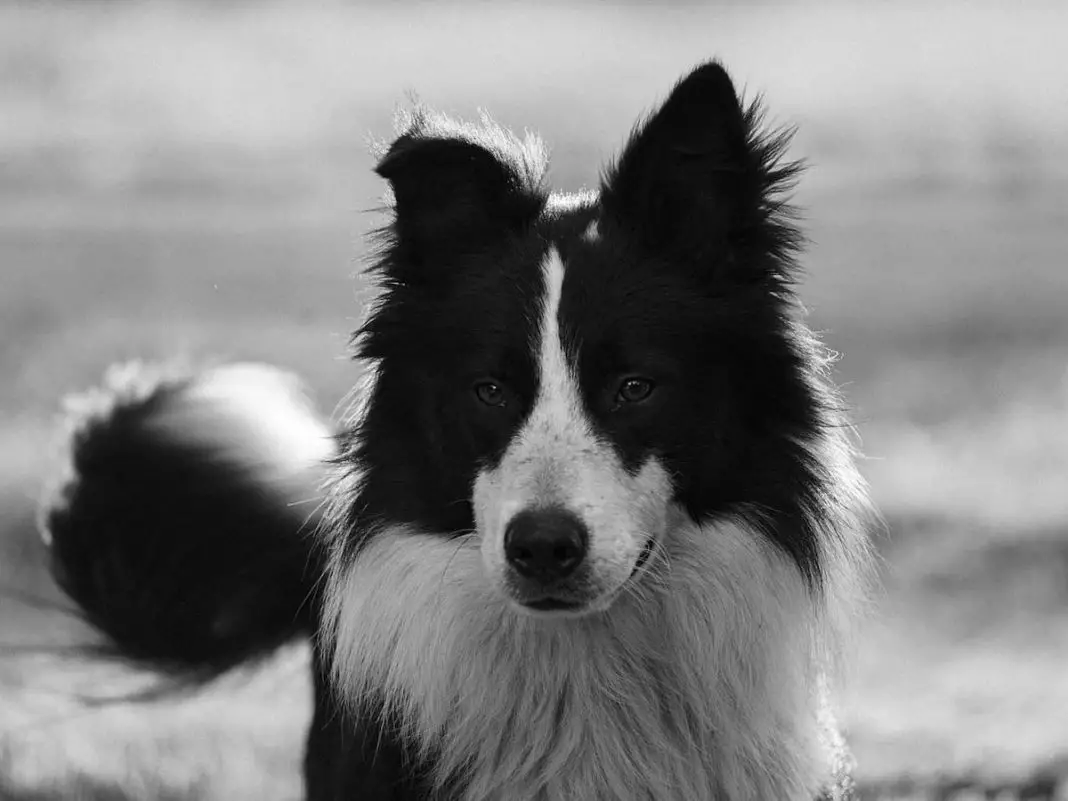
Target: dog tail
(181, 521)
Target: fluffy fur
(624, 371)
(182, 496)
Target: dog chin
(551, 608)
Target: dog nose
(545, 544)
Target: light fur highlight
(255, 417)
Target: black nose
(545, 544)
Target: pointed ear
(697, 181)
(454, 183)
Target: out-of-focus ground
(193, 178)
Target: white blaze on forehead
(557, 459)
(558, 437)
(558, 397)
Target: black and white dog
(593, 530)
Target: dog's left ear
(698, 182)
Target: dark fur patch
(459, 272)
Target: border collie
(593, 529)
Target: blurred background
(193, 178)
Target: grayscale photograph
(533, 401)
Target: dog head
(561, 380)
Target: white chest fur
(702, 683)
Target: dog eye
(490, 393)
(635, 390)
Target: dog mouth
(643, 557)
(554, 603)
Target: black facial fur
(689, 283)
(685, 280)
(460, 271)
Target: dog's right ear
(455, 184)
